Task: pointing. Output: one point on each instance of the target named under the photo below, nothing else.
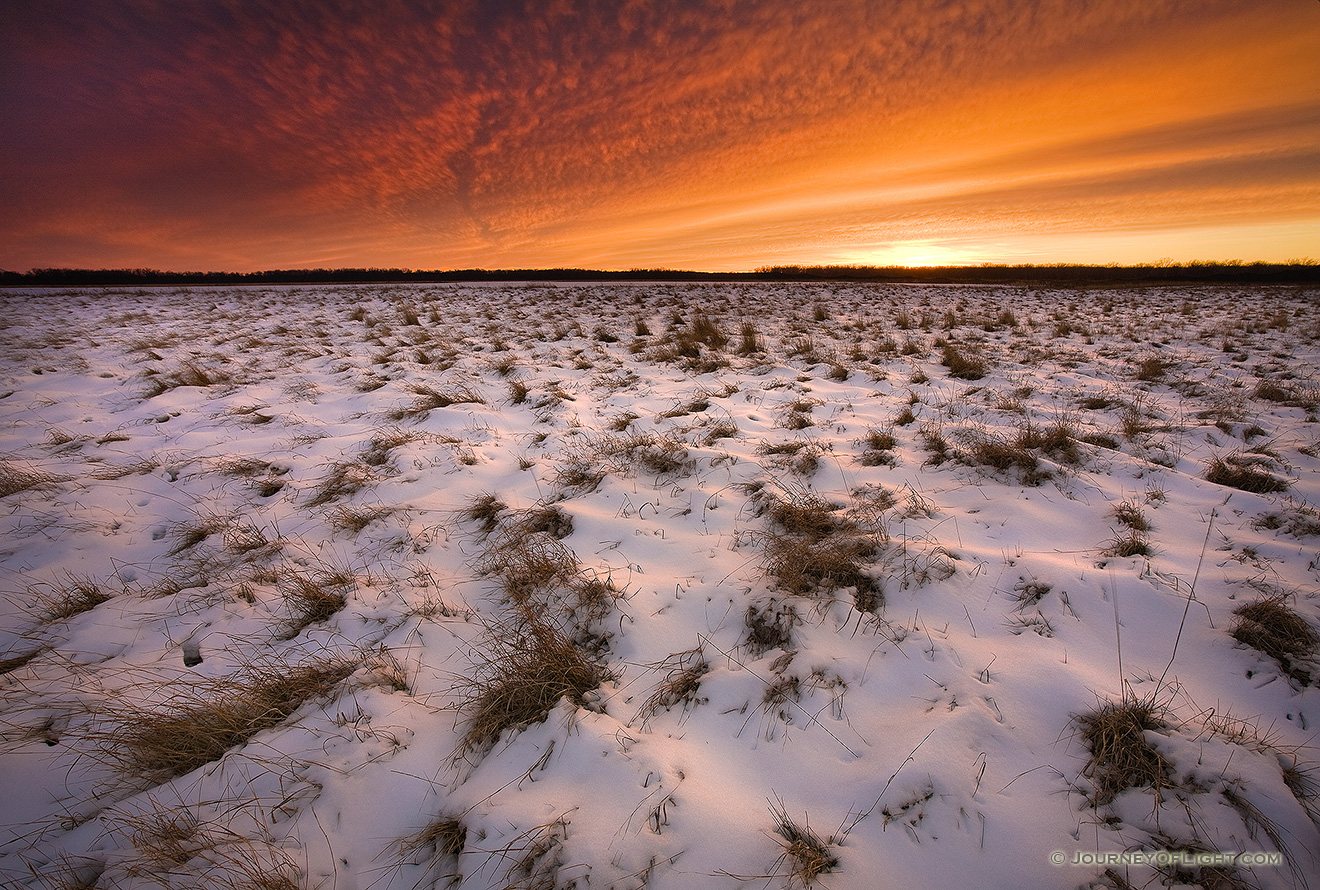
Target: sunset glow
(240, 135)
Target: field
(659, 586)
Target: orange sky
(722, 135)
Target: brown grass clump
(1131, 515)
(528, 564)
(1152, 368)
(485, 509)
(1058, 440)
(720, 429)
(999, 453)
(1121, 757)
(807, 854)
(206, 720)
(376, 453)
(527, 667)
(1240, 472)
(189, 373)
(438, 845)
(343, 479)
(660, 455)
(769, 626)
(803, 512)
(817, 551)
(879, 449)
(681, 684)
(355, 519)
(749, 339)
(803, 566)
(312, 599)
(178, 849)
(1131, 542)
(11, 663)
(1271, 626)
(61, 600)
(965, 365)
(429, 398)
(15, 478)
(546, 519)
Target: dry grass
(343, 479)
(376, 453)
(720, 429)
(355, 519)
(546, 519)
(63, 599)
(15, 478)
(964, 364)
(813, 550)
(807, 854)
(207, 719)
(749, 339)
(177, 849)
(1151, 369)
(527, 666)
(312, 598)
(988, 449)
(1270, 626)
(878, 449)
(660, 455)
(437, 846)
(528, 564)
(189, 373)
(799, 511)
(485, 509)
(1237, 471)
(803, 566)
(11, 663)
(1129, 514)
(769, 626)
(579, 473)
(1120, 755)
(1131, 542)
(68, 873)
(682, 682)
(429, 398)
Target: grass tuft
(161, 744)
(528, 665)
(1121, 756)
(15, 478)
(312, 599)
(1239, 472)
(429, 398)
(963, 364)
(1131, 542)
(1271, 626)
(815, 551)
(680, 686)
(61, 600)
(769, 626)
(485, 509)
(437, 845)
(808, 855)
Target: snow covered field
(658, 585)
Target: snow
(192, 453)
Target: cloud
(479, 131)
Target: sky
(239, 135)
